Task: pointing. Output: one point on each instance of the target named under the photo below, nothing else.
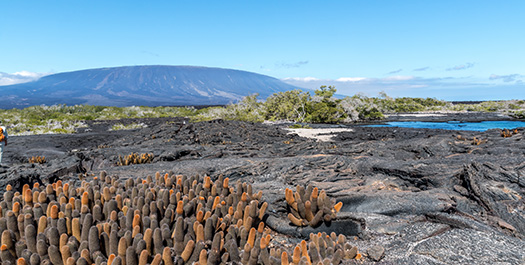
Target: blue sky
(454, 50)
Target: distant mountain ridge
(151, 85)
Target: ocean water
(455, 125)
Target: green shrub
(300, 126)
(370, 114)
(518, 114)
(294, 105)
(290, 105)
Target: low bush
(294, 106)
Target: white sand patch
(321, 134)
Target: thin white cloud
(395, 71)
(417, 86)
(506, 78)
(19, 77)
(461, 67)
(150, 53)
(291, 65)
(28, 74)
(399, 78)
(422, 69)
(301, 79)
(350, 79)
(448, 88)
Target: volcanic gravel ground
(421, 196)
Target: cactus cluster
(37, 160)
(135, 158)
(166, 219)
(474, 141)
(310, 206)
(505, 133)
(322, 249)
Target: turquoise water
(455, 125)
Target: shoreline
(441, 116)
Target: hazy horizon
(449, 50)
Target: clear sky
(454, 50)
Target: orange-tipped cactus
(54, 212)
(284, 258)
(506, 133)
(296, 257)
(180, 208)
(265, 241)
(200, 233)
(136, 220)
(225, 183)
(251, 237)
(260, 228)
(316, 208)
(215, 202)
(188, 250)
(315, 193)
(63, 240)
(7, 240)
(122, 246)
(135, 231)
(289, 196)
(62, 200)
(42, 224)
(42, 198)
(16, 207)
(156, 260)
(166, 256)
(338, 206)
(66, 253)
(113, 216)
(304, 251)
(207, 182)
(111, 258)
(296, 221)
(24, 189)
(203, 257)
(308, 211)
(148, 235)
(207, 215)
(85, 198)
(143, 258)
(37, 160)
(21, 261)
(262, 210)
(200, 216)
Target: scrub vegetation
(294, 106)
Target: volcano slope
(410, 196)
